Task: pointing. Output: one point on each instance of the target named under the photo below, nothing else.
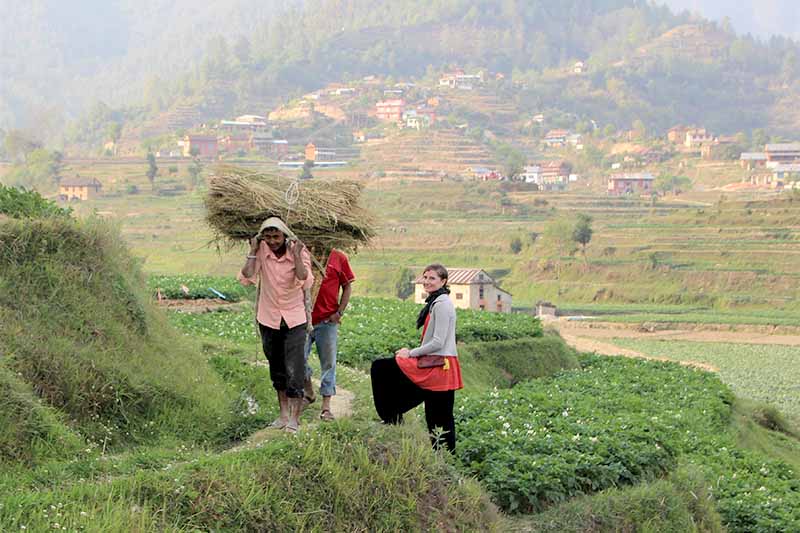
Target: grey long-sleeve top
(440, 337)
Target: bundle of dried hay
(323, 214)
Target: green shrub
(525, 358)
(20, 203)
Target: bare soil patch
(205, 305)
(735, 334)
(588, 344)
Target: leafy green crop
(199, 287)
(619, 421)
(767, 373)
(372, 328)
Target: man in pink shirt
(283, 266)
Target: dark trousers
(395, 394)
(285, 351)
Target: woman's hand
(403, 353)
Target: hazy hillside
(166, 59)
(763, 17)
(56, 57)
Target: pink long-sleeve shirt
(281, 295)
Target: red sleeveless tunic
(437, 378)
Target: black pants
(395, 394)
(285, 351)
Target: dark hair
(440, 270)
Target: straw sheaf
(325, 214)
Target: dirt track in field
(598, 337)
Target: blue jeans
(325, 336)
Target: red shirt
(337, 274)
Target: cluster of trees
(34, 167)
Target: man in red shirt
(283, 265)
(326, 316)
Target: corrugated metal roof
(463, 276)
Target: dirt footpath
(341, 407)
(584, 344)
(697, 333)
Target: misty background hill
(68, 71)
(762, 18)
(57, 58)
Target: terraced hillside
(426, 152)
(498, 111)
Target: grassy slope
(78, 330)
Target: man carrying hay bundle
(283, 266)
(326, 215)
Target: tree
(760, 138)
(675, 184)
(639, 129)
(40, 171)
(152, 169)
(558, 236)
(17, 145)
(404, 287)
(516, 245)
(113, 131)
(512, 159)
(241, 49)
(582, 233)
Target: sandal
(278, 424)
(326, 415)
(291, 428)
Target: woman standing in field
(429, 373)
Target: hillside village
(464, 125)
